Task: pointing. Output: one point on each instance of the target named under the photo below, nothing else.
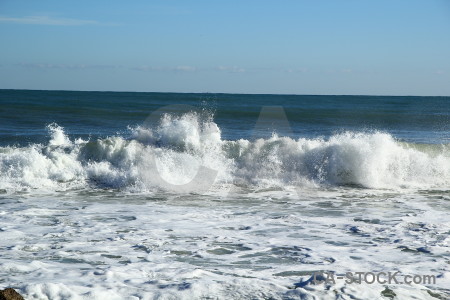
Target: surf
(172, 152)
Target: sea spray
(181, 145)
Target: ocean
(124, 195)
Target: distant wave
(171, 153)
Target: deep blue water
(24, 114)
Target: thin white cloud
(232, 69)
(66, 66)
(146, 68)
(185, 68)
(176, 69)
(297, 70)
(45, 20)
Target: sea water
(220, 196)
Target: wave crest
(179, 145)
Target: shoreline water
(92, 207)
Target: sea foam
(182, 148)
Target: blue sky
(384, 47)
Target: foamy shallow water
(258, 244)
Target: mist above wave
(186, 153)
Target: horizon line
(223, 93)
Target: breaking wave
(182, 148)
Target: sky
(338, 47)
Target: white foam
(261, 245)
(180, 148)
(58, 136)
